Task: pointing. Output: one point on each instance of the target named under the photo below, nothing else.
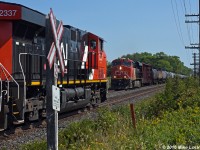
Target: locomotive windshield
(116, 63)
(124, 63)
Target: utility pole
(195, 64)
(195, 47)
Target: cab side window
(93, 44)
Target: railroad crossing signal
(56, 44)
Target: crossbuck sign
(56, 44)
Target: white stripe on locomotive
(64, 53)
(91, 75)
(85, 55)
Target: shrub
(178, 93)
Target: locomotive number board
(8, 11)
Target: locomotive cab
(96, 56)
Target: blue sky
(129, 26)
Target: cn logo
(57, 34)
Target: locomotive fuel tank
(72, 93)
(74, 98)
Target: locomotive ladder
(0, 94)
(12, 107)
(1, 124)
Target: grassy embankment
(171, 118)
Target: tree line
(159, 61)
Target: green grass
(171, 118)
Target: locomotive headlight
(114, 76)
(120, 68)
(124, 76)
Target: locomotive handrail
(23, 72)
(23, 77)
(24, 102)
(4, 69)
(0, 94)
(127, 74)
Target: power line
(187, 25)
(188, 31)
(191, 24)
(177, 27)
(179, 22)
(184, 9)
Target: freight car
(162, 76)
(23, 66)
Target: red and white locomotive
(23, 66)
(126, 73)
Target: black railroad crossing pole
(52, 127)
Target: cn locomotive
(23, 66)
(126, 73)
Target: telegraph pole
(195, 64)
(195, 47)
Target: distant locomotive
(126, 73)
(23, 66)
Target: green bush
(178, 93)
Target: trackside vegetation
(171, 119)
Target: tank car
(23, 66)
(155, 76)
(162, 75)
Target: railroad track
(129, 97)
(37, 130)
(118, 98)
